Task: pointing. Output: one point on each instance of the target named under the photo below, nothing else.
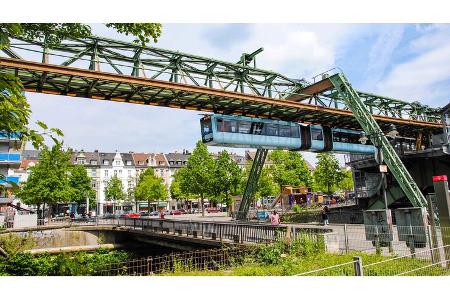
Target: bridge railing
(220, 231)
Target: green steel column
(370, 126)
(252, 183)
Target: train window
(244, 127)
(206, 126)
(295, 132)
(285, 131)
(258, 128)
(220, 125)
(230, 126)
(316, 134)
(271, 129)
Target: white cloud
(381, 52)
(424, 77)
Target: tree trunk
(43, 211)
(203, 205)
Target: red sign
(440, 178)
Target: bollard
(346, 238)
(357, 266)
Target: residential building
(10, 159)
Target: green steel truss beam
(376, 135)
(117, 57)
(252, 183)
(96, 53)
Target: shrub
(296, 208)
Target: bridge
(105, 69)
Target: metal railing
(209, 259)
(220, 231)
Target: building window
(120, 172)
(105, 162)
(115, 172)
(93, 162)
(106, 173)
(141, 163)
(117, 162)
(129, 173)
(94, 185)
(128, 162)
(94, 173)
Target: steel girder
(112, 56)
(376, 135)
(252, 183)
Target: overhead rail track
(106, 69)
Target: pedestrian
(275, 218)
(324, 213)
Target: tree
(198, 176)
(49, 181)
(151, 188)
(346, 182)
(114, 190)
(226, 178)
(14, 109)
(327, 174)
(289, 168)
(266, 185)
(81, 186)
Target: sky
(404, 61)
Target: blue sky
(405, 61)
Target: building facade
(10, 160)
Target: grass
(291, 265)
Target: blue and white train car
(246, 132)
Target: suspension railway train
(247, 132)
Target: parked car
(154, 213)
(183, 211)
(175, 212)
(213, 210)
(144, 214)
(108, 216)
(130, 215)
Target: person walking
(275, 218)
(325, 212)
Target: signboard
(412, 225)
(378, 226)
(383, 169)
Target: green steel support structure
(252, 183)
(374, 132)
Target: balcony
(10, 158)
(10, 179)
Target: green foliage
(327, 174)
(143, 31)
(49, 180)
(178, 188)
(270, 254)
(14, 243)
(197, 179)
(81, 186)
(225, 178)
(296, 208)
(65, 264)
(114, 189)
(289, 168)
(346, 182)
(151, 188)
(147, 172)
(266, 184)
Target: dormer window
(93, 162)
(81, 160)
(117, 162)
(105, 162)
